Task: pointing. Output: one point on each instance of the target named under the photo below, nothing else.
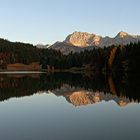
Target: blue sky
(47, 21)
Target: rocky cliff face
(83, 39)
(79, 41)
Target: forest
(111, 59)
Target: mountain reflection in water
(76, 88)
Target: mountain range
(79, 41)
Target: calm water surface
(66, 106)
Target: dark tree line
(112, 59)
(17, 52)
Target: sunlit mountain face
(77, 89)
(80, 41)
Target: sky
(48, 21)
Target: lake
(66, 106)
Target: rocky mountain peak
(82, 39)
(79, 41)
(122, 34)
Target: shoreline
(22, 72)
(71, 70)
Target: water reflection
(76, 88)
(85, 97)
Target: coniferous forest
(108, 59)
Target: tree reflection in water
(78, 89)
